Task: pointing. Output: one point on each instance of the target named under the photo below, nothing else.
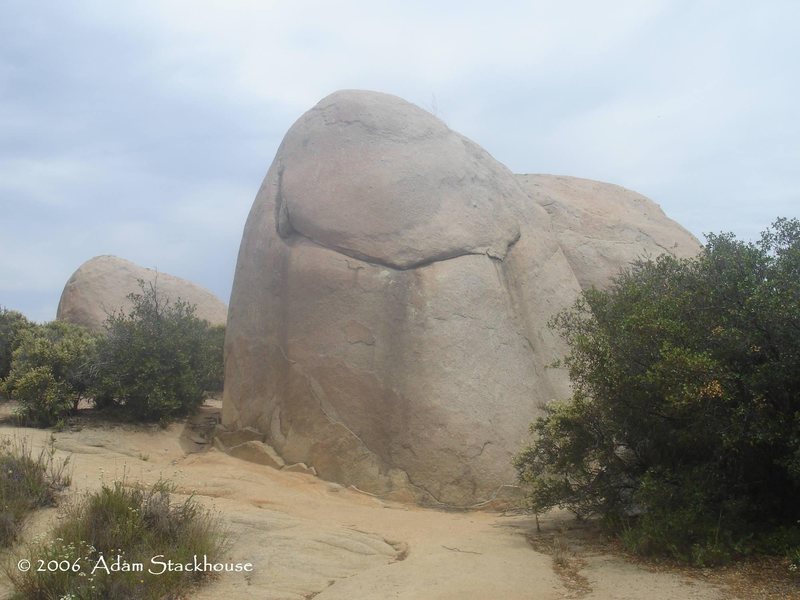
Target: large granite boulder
(388, 317)
(603, 227)
(101, 285)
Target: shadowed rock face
(388, 316)
(101, 285)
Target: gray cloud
(145, 131)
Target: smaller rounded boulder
(602, 228)
(102, 284)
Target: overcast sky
(143, 129)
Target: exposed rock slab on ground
(309, 538)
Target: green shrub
(132, 524)
(683, 430)
(27, 481)
(214, 343)
(12, 324)
(156, 361)
(51, 370)
(794, 560)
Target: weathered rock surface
(377, 178)
(388, 316)
(603, 227)
(308, 538)
(257, 452)
(300, 468)
(101, 285)
(229, 439)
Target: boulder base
(257, 452)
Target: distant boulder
(101, 285)
(603, 227)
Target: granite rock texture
(603, 227)
(101, 285)
(387, 323)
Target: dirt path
(308, 538)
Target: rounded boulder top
(102, 284)
(373, 176)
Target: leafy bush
(157, 360)
(154, 363)
(683, 430)
(51, 370)
(27, 481)
(12, 324)
(214, 343)
(132, 525)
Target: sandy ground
(308, 538)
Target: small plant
(560, 551)
(27, 481)
(51, 371)
(794, 560)
(122, 525)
